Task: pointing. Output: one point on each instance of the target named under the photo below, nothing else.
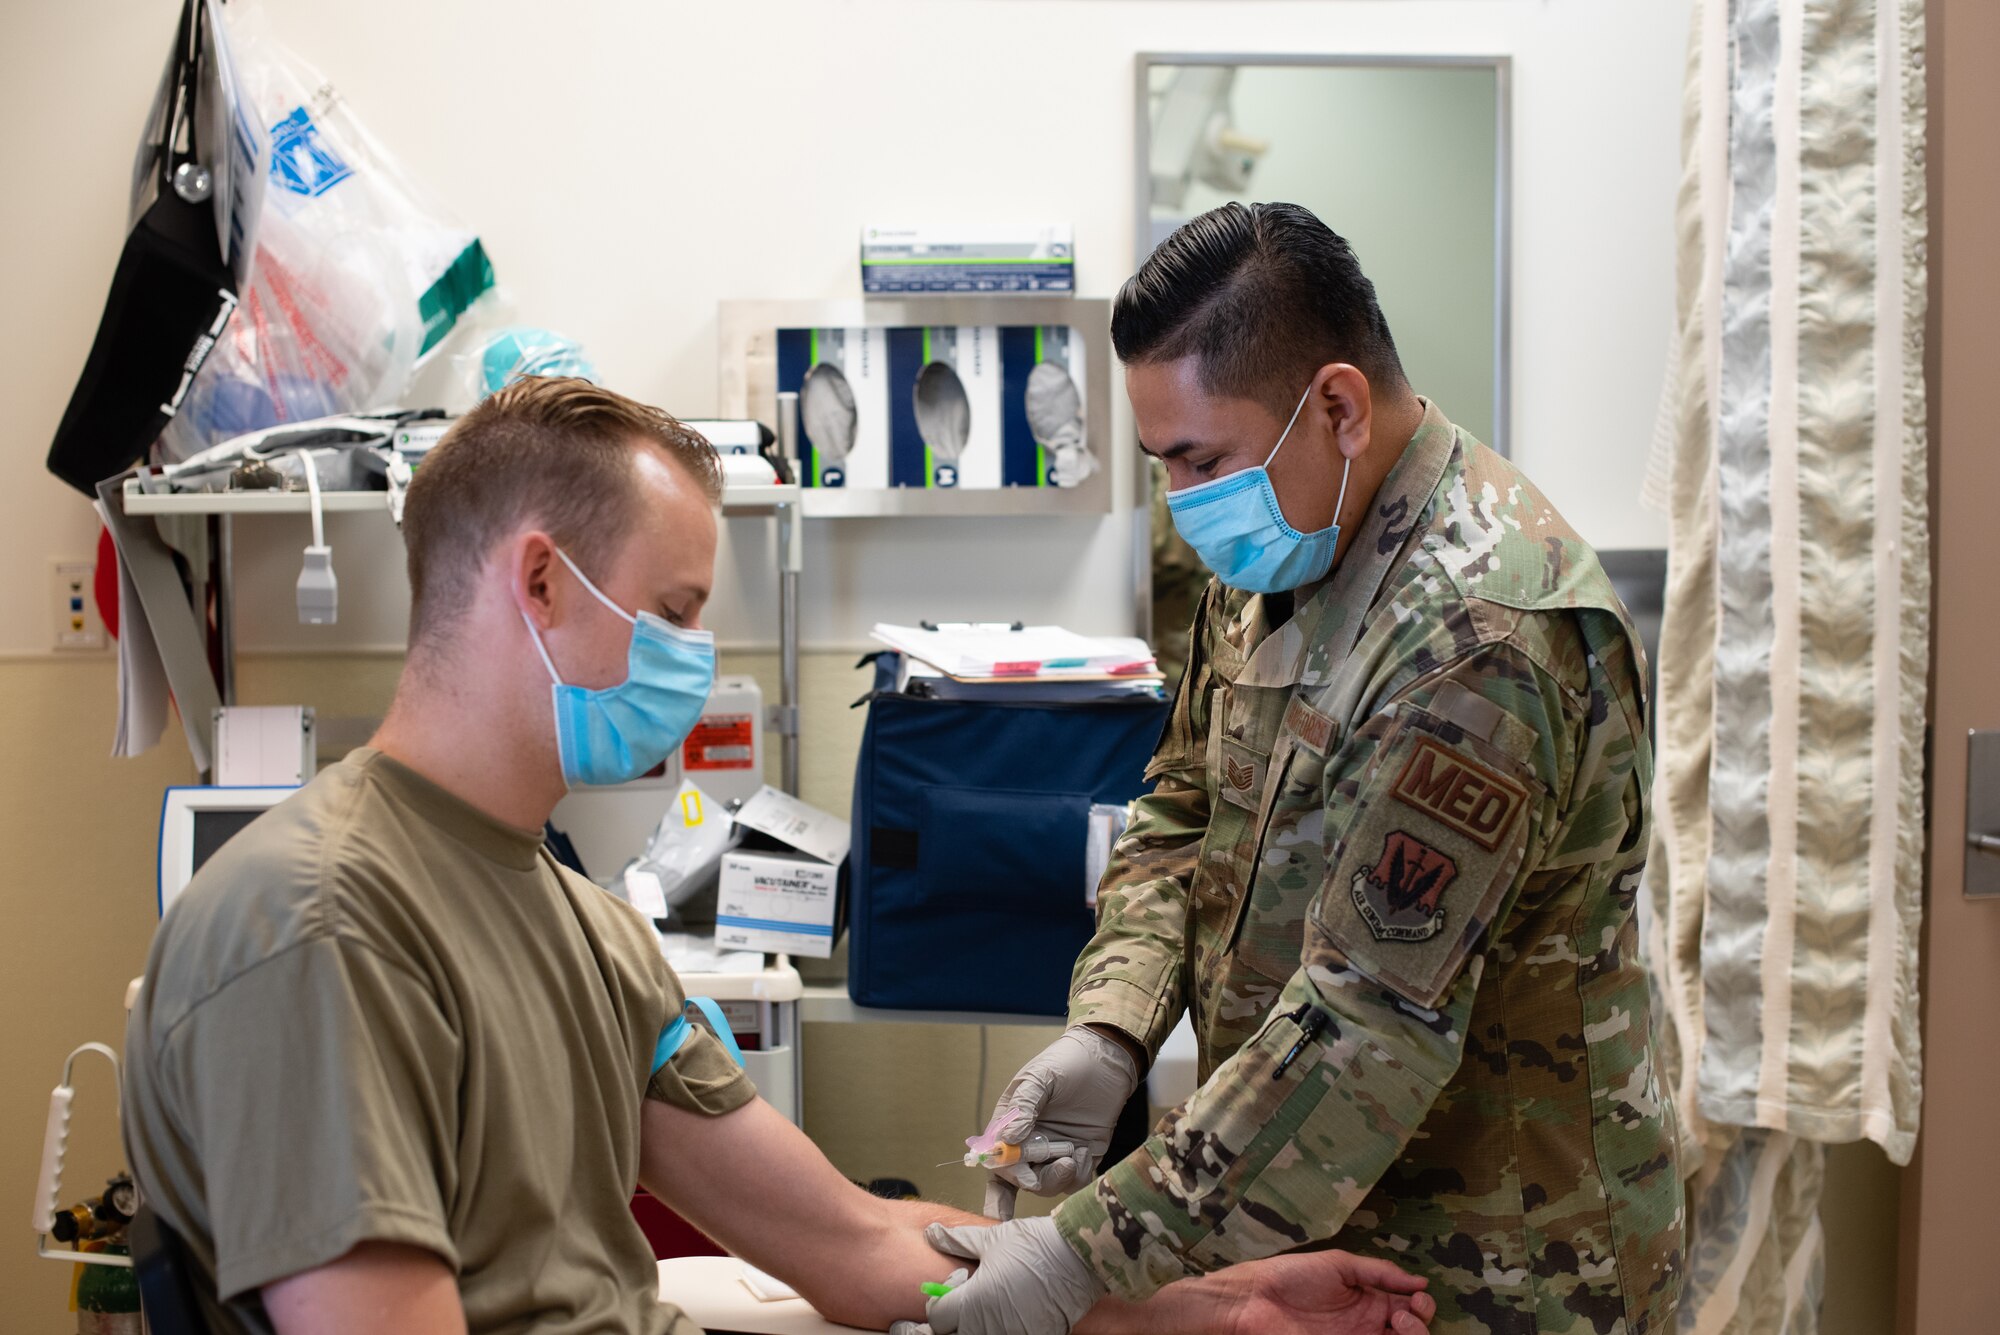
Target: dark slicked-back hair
(1261, 295)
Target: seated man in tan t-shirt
(394, 1069)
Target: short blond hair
(552, 450)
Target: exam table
(710, 1290)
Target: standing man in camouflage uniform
(1389, 863)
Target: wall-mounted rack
(181, 641)
(750, 380)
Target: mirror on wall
(1406, 157)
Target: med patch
(1438, 831)
(1459, 792)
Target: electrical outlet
(77, 626)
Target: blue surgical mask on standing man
(617, 733)
(1237, 527)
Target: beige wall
(76, 903)
(78, 907)
(709, 152)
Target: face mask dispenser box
(981, 257)
(781, 891)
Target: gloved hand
(1072, 1090)
(1029, 1281)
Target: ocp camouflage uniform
(1389, 866)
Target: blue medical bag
(970, 824)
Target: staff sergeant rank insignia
(1398, 897)
(1453, 791)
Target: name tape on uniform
(1311, 727)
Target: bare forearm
(1192, 1305)
(1307, 1293)
(884, 1285)
(753, 1182)
(917, 1214)
(881, 1276)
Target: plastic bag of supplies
(357, 272)
(684, 855)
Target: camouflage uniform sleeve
(1436, 809)
(1130, 976)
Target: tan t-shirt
(379, 1014)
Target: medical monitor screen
(213, 829)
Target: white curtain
(1786, 876)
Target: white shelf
(777, 981)
(743, 499)
(735, 500)
(955, 502)
(828, 1003)
(139, 502)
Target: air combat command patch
(1399, 896)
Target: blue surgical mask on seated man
(617, 733)
(1239, 531)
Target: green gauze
(935, 1290)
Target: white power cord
(319, 591)
(312, 488)
(55, 1142)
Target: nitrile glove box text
(984, 258)
(781, 902)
